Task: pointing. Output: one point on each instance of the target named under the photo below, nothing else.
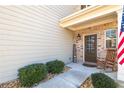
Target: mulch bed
(87, 83)
(16, 83)
(11, 84)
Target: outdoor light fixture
(78, 37)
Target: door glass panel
(90, 44)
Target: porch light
(78, 37)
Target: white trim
(76, 14)
(84, 44)
(105, 38)
(77, 17)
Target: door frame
(84, 44)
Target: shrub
(55, 66)
(32, 74)
(100, 80)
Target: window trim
(105, 38)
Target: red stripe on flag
(120, 33)
(120, 43)
(121, 62)
(119, 54)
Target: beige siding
(31, 34)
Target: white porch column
(120, 73)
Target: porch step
(89, 64)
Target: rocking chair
(110, 61)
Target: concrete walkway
(71, 79)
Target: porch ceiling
(94, 15)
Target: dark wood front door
(91, 48)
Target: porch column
(120, 73)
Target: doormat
(88, 65)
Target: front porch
(95, 31)
(90, 70)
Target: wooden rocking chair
(110, 61)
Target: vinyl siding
(31, 34)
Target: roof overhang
(92, 16)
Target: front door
(91, 48)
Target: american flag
(121, 42)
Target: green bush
(32, 74)
(55, 66)
(100, 80)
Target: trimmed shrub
(100, 80)
(32, 74)
(55, 66)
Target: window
(111, 38)
(84, 6)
